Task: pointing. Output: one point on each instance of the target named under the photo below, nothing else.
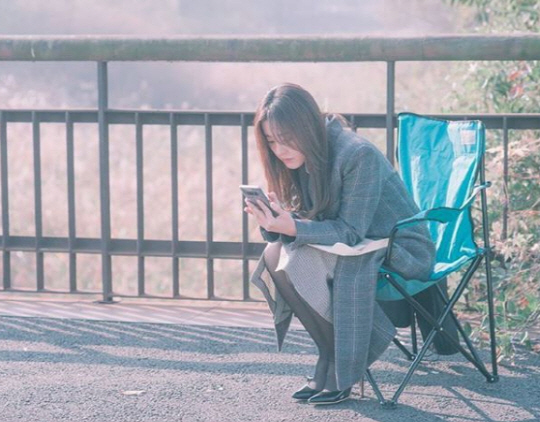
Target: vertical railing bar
(70, 153)
(245, 178)
(505, 179)
(38, 208)
(390, 109)
(209, 207)
(104, 183)
(174, 204)
(6, 255)
(140, 203)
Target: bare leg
(320, 330)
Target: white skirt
(310, 271)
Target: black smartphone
(253, 193)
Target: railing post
(140, 203)
(209, 207)
(104, 183)
(505, 179)
(6, 254)
(174, 205)
(390, 106)
(38, 214)
(245, 227)
(72, 227)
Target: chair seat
(386, 291)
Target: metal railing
(105, 49)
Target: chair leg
(375, 387)
(465, 338)
(491, 313)
(414, 365)
(400, 346)
(414, 337)
(489, 280)
(437, 328)
(475, 358)
(491, 316)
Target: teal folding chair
(440, 162)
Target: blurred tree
(508, 87)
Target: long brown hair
(290, 109)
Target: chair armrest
(442, 215)
(475, 192)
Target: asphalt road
(74, 370)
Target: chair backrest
(439, 162)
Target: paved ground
(232, 314)
(61, 368)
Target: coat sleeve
(363, 176)
(274, 237)
(269, 236)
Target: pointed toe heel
(305, 393)
(330, 397)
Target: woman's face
(289, 156)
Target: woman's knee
(416, 265)
(271, 255)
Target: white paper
(365, 246)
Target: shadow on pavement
(447, 389)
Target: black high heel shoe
(305, 393)
(330, 397)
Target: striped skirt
(310, 271)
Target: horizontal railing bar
(159, 117)
(51, 116)
(291, 48)
(162, 117)
(185, 297)
(52, 291)
(124, 295)
(128, 247)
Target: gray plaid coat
(369, 198)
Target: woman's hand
(283, 223)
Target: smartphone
(253, 193)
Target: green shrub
(508, 87)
